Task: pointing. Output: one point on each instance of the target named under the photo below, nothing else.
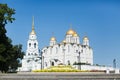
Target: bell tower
(31, 60)
(32, 44)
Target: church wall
(92, 67)
(68, 52)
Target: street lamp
(114, 63)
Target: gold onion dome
(70, 32)
(52, 39)
(75, 35)
(64, 41)
(32, 32)
(85, 38)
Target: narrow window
(52, 63)
(68, 62)
(46, 64)
(34, 45)
(29, 44)
(35, 54)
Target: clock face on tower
(32, 37)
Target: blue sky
(98, 19)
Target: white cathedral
(68, 52)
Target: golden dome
(64, 41)
(85, 38)
(32, 32)
(70, 32)
(75, 35)
(53, 39)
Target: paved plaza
(60, 76)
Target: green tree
(9, 54)
(15, 57)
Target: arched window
(35, 54)
(46, 64)
(34, 45)
(52, 63)
(28, 61)
(28, 53)
(68, 62)
(29, 44)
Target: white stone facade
(68, 52)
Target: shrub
(60, 68)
